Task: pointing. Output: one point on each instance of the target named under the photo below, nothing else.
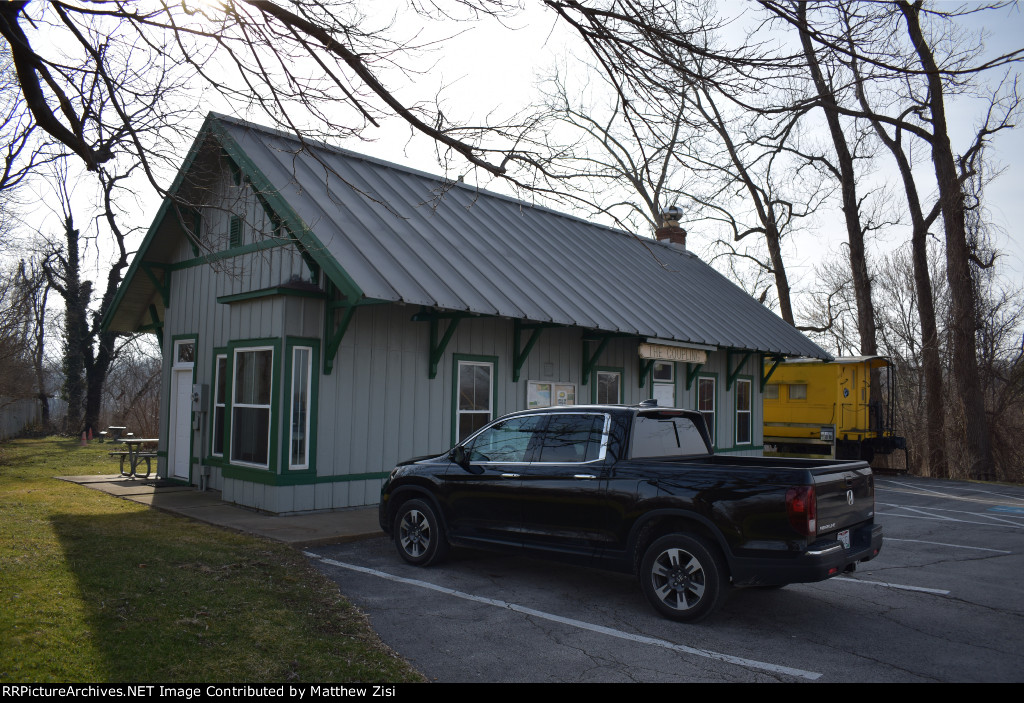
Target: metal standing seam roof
(480, 252)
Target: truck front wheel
(682, 577)
(419, 536)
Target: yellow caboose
(826, 409)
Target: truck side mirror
(460, 456)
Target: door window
(573, 438)
(509, 441)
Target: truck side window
(572, 438)
(666, 436)
(509, 441)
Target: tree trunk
(75, 330)
(935, 408)
(958, 264)
(774, 242)
(851, 211)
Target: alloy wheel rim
(678, 579)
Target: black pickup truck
(636, 489)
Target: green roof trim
(268, 292)
(303, 234)
(310, 246)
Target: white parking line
(708, 654)
(897, 586)
(922, 489)
(975, 495)
(930, 514)
(943, 544)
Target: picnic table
(137, 450)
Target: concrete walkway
(206, 506)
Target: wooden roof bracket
(163, 287)
(521, 352)
(644, 371)
(334, 333)
(734, 372)
(157, 326)
(777, 358)
(437, 346)
(691, 373)
(590, 360)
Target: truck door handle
(510, 475)
(584, 476)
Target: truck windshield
(663, 435)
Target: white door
(179, 425)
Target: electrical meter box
(200, 393)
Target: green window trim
(713, 426)
(457, 361)
(218, 354)
(595, 373)
(737, 383)
(274, 424)
(312, 420)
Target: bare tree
(686, 128)
(922, 218)
(112, 86)
(844, 168)
(950, 179)
(34, 290)
(902, 339)
(132, 390)
(914, 53)
(625, 162)
(89, 350)
(21, 152)
(15, 344)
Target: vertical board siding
(193, 309)
(378, 406)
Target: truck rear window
(661, 435)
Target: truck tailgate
(845, 497)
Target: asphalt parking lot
(943, 602)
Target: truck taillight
(802, 509)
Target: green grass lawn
(98, 589)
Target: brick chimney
(670, 231)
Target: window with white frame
(706, 403)
(474, 396)
(608, 387)
(220, 390)
(252, 381)
(301, 390)
(743, 405)
(663, 383)
(185, 353)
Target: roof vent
(670, 231)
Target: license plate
(844, 537)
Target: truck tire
(683, 577)
(419, 536)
